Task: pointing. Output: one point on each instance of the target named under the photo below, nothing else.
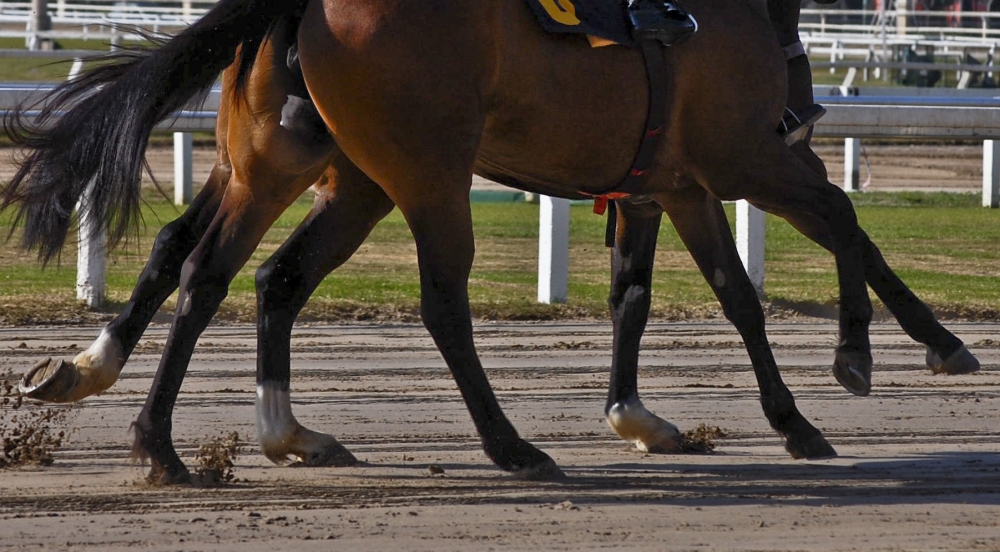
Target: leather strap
(656, 76)
(794, 50)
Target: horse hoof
(545, 471)
(815, 447)
(341, 458)
(960, 362)
(164, 478)
(650, 433)
(854, 372)
(50, 381)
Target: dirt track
(918, 468)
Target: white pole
(90, 262)
(991, 173)
(751, 228)
(852, 164)
(553, 250)
(183, 168)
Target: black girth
(656, 76)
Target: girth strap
(656, 76)
(794, 50)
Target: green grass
(943, 245)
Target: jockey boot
(662, 20)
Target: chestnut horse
(352, 203)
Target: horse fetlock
(283, 439)
(961, 361)
(853, 370)
(649, 432)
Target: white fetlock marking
(276, 425)
(632, 422)
(101, 363)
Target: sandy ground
(918, 470)
(926, 167)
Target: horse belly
(562, 115)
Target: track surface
(918, 469)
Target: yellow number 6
(565, 15)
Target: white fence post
(91, 253)
(991, 173)
(553, 250)
(852, 164)
(183, 168)
(751, 229)
(90, 262)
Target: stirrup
(795, 126)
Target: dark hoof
(523, 460)
(167, 477)
(960, 362)
(814, 447)
(50, 381)
(546, 471)
(328, 459)
(853, 370)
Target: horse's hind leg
(769, 175)
(702, 226)
(97, 368)
(245, 215)
(631, 280)
(945, 352)
(347, 208)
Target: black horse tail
(92, 134)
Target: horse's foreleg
(631, 280)
(343, 215)
(97, 368)
(702, 226)
(241, 221)
(442, 228)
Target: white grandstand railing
(99, 20)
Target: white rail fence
(873, 113)
(41, 22)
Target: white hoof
(650, 433)
(283, 440)
(91, 372)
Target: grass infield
(944, 246)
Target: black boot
(661, 20)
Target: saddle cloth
(603, 21)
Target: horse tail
(86, 145)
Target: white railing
(948, 114)
(96, 20)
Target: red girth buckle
(601, 201)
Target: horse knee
(278, 283)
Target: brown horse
(362, 202)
